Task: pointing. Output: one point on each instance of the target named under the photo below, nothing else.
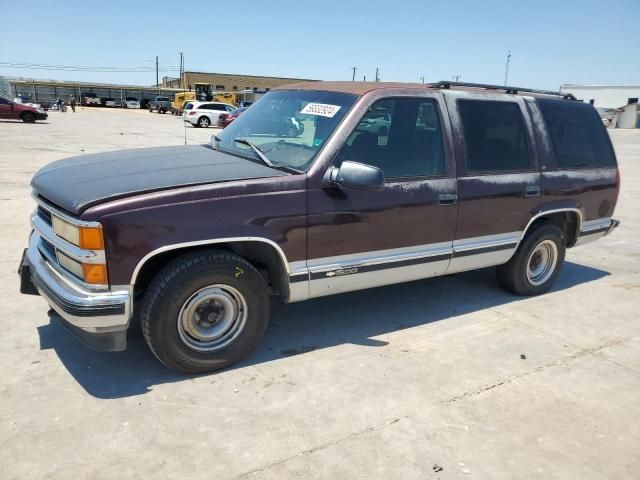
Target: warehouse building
(604, 96)
(38, 90)
(228, 82)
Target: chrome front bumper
(99, 318)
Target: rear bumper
(99, 319)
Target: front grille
(44, 214)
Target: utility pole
(422, 79)
(506, 70)
(181, 68)
(456, 77)
(157, 80)
(364, 78)
(353, 78)
(377, 74)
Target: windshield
(289, 127)
(162, 99)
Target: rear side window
(495, 136)
(188, 106)
(578, 136)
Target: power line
(85, 68)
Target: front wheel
(536, 264)
(28, 117)
(204, 311)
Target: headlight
(89, 238)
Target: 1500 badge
(344, 271)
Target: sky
(551, 42)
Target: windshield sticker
(321, 109)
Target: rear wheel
(536, 265)
(28, 117)
(204, 311)
(204, 122)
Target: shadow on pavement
(303, 327)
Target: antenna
(506, 70)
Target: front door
(498, 178)
(360, 239)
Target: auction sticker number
(321, 109)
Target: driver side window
(401, 136)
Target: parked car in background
(160, 104)
(205, 114)
(131, 102)
(90, 98)
(244, 104)
(225, 119)
(111, 102)
(20, 111)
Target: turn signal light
(91, 238)
(95, 274)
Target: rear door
(361, 239)
(498, 177)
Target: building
(228, 82)
(628, 116)
(39, 90)
(604, 97)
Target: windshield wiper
(257, 150)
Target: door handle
(532, 191)
(448, 199)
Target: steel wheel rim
(212, 318)
(542, 262)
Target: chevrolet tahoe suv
(193, 242)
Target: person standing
(73, 102)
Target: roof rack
(511, 90)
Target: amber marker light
(95, 273)
(91, 238)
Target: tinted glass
(290, 127)
(188, 106)
(494, 135)
(578, 136)
(4, 101)
(162, 99)
(401, 136)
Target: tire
(28, 117)
(536, 264)
(203, 122)
(219, 285)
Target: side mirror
(357, 176)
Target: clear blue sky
(552, 42)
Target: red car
(225, 119)
(18, 111)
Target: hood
(78, 183)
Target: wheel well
(261, 255)
(567, 221)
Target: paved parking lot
(442, 378)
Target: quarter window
(401, 136)
(577, 133)
(494, 136)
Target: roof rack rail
(512, 90)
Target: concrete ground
(443, 378)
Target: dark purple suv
(382, 183)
